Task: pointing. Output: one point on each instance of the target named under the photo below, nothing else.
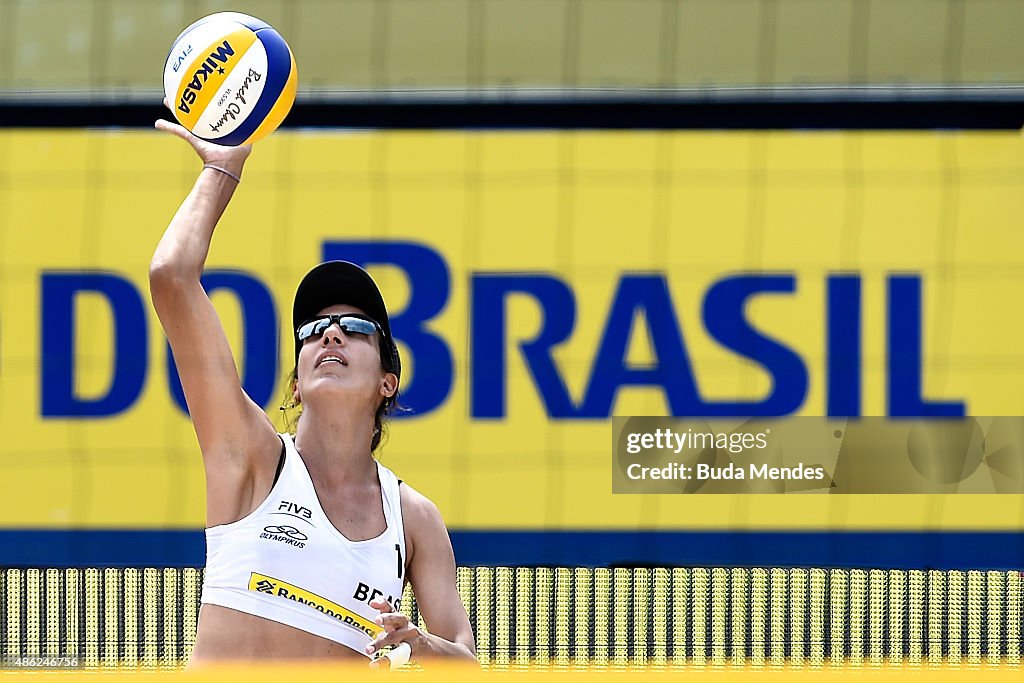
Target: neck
(336, 446)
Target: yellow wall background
(585, 206)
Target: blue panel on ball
(246, 20)
(279, 67)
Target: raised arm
(239, 444)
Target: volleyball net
(101, 468)
(657, 618)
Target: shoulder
(419, 512)
(428, 547)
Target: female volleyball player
(309, 541)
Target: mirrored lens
(306, 330)
(357, 325)
(348, 324)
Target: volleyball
(230, 78)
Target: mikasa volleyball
(230, 78)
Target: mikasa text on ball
(230, 78)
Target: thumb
(174, 128)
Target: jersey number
(398, 549)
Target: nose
(334, 334)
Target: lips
(331, 357)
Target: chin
(332, 388)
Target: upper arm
(236, 437)
(431, 570)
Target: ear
(388, 385)
(296, 398)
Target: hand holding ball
(230, 79)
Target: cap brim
(339, 282)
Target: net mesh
(108, 48)
(601, 618)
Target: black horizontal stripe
(661, 113)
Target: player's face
(340, 357)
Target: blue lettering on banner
(429, 284)
(487, 341)
(671, 369)
(843, 346)
(58, 296)
(259, 336)
(638, 297)
(724, 305)
(905, 362)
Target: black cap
(341, 282)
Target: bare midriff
(225, 634)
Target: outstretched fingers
(170, 126)
(232, 158)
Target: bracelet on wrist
(225, 171)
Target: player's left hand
(397, 629)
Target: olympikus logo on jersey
(285, 534)
(203, 73)
(272, 586)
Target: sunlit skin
(338, 406)
(241, 448)
(339, 401)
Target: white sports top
(285, 561)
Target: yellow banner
(540, 283)
(268, 584)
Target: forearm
(186, 242)
(437, 647)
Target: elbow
(466, 644)
(165, 276)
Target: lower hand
(397, 629)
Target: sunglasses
(348, 322)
